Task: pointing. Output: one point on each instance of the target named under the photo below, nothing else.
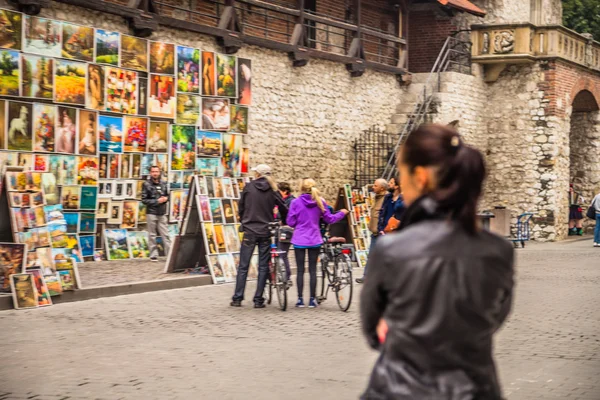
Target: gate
(372, 150)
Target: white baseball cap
(262, 169)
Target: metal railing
(371, 150)
(453, 57)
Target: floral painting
(121, 91)
(226, 76)
(136, 134)
(44, 117)
(70, 82)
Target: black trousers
(313, 256)
(264, 254)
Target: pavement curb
(97, 292)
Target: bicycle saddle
(337, 240)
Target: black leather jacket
(151, 194)
(443, 294)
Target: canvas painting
(218, 188)
(67, 281)
(215, 269)
(87, 223)
(44, 117)
(136, 166)
(99, 237)
(58, 233)
(19, 135)
(209, 235)
(53, 284)
(245, 162)
(87, 143)
(72, 220)
(11, 33)
(216, 210)
(130, 214)
(114, 166)
(25, 161)
(138, 244)
(89, 196)
(37, 199)
(70, 79)
(37, 79)
(188, 109)
(158, 137)
(229, 270)
(110, 132)
(177, 200)
(160, 160)
(42, 36)
(215, 114)
(208, 166)
(116, 244)
(54, 214)
(70, 196)
(65, 130)
(116, 212)
(204, 208)
(86, 245)
(77, 42)
(103, 167)
(209, 74)
(208, 144)
(142, 96)
(201, 187)
(50, 189)
(119, 190)
(40, 236)
(162, 58)
(228, 212)
(33, 181)
(239, 119)
(4, 157)
(162, 102)
(134, 53)
(183, 147)
(188, 176)
(226, 76)
(232, 152)
(23, 291)
(87, 170)
(135, 133)
(232, 239)
(96, 87)
(228, 191)
(188, 70)
(103, 208)
(107, 47)
(142, 212)
(10, 73)
(244, 81)
(12, 260)
(220, 238)
(125, 166)
(121, 91)
(175, 180)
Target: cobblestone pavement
(189, 344)
(105, 273)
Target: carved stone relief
(486, 43)
(504, 41)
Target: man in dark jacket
(256, 206)
(155, 195)
(284, 245)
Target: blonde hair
(309, 187)
(271, 181)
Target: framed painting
(134, 53)
(138, 245)
(239, 119)
(72, 220)
(71, 196)
(188, 109)
(87, 223)
(65, 130)
(110, 133)
(10, 73)
(162, 102)
(116, 212)
(208, 144)
(121, 91)
(215, 114)
(86, 245)
(77, 42)
(135, 134)
(216, 210)
(19, 133)
(209, 238)
(42, 36)
(208, 166)
(130, 214)
(116, 244)
(103, 208)
(11, 35)
(232, 149)
(37, 77)
(226, 76)
(183, 147)
(107, 47)
(87, 138)
(44, 117)
(177, 200)
(209, 74)
(158, 137)
(215, 269)
(244, 81)
(96, 87)
(89, 198)
(70, 81)
(23, 291)
(142, 96)
(162, 58)
(87, 170)
(188, 70)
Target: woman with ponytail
(304, 216)
(439, 289)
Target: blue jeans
(264, 255)
(597, 229)
(371, 247)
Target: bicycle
(277, 277)
(337, 267)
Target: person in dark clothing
(256, 210)
(393, 207)
(439, 289)
(286, 231)
(155, 195)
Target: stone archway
(584, 146)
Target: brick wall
(427, 33)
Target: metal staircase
(455, 56)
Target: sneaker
(360, 280)
(580, 232)
(259, 305)
(154, 259)
(312, 303)
(300, 303)
(236, 303)
(596, 244)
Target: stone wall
(303, 121)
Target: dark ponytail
(461, 171)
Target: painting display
(162, 102)
(107, 47)
(158, 138)
(66, 130)
(134, 53)
(138, 244)
(42, 36)
(87, 141)
(188, 70)
(239, 119)
(215, 114)
(44, 117)
(96, 87)
(183, 147)
(77, 42)
(135, 133)
(226, 76)
(11, 33)
(10, 73)
(244, 81)
(232, 152)
(188, 109)
(209, 74)
(70, 79)
(19, 133)
(110, 133)
(37, 77)
(116, 244)
(121, 91)
(23, 291)
(162, 58)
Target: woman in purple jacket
(304, 216)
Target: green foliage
(582, 16)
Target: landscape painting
(70, 82)
(110, 132)
(138, 244)
(37, 77)
(183, 147)
(188, 109)
(10, 73)
(134, 53)
(11, 33)
(107, 47)
(162, 58)
(42, 36)
(77, 42)
(208, 144)
(116, 244)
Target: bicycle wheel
(268, 290)
(281, 284)
(321, 277)
(343, 282)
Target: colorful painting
(160, 160)
(87, 142)
(162, 102)
(232, 152)
(245, 162)
(37, 77)
(226, 76)
(142, 212)
(158, 137)
(162, 58)
(64, 169)
(89, 196)
(188, 70)
(216, 210)
(215, 114)
(114, 166)
(130, 214)
(220, 238)
(228, 212)
(239, 119)
(138, 244)
(70, 196)
(53, 284)
(12, 261)
(208, 166)
(188, 109)
(232, 239)
(215, 269)
(10, 73)
(87, 170)
(121, 91)
(244, 81)
(77, 42)
(134, 53)
(72, 222)
(96, 87)
(70, 78)
(229, 270)
(86, 245)
(65, 131)
(177, 200)
(142, 96)
(58, 233)
(54, 214)
(183, 147)
(67, 280)
(204, 207)
(209, 235)
(41, 162)
(107, 47)
(42, 36)
(23, 291)
(87, 223)
(116, 244)
(135, 133)
(209, 74)
(20, 133)
(110, 132)
(11, 29)
(44, 117)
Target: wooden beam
(330, 22)
(104, 6)
(273, 7)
